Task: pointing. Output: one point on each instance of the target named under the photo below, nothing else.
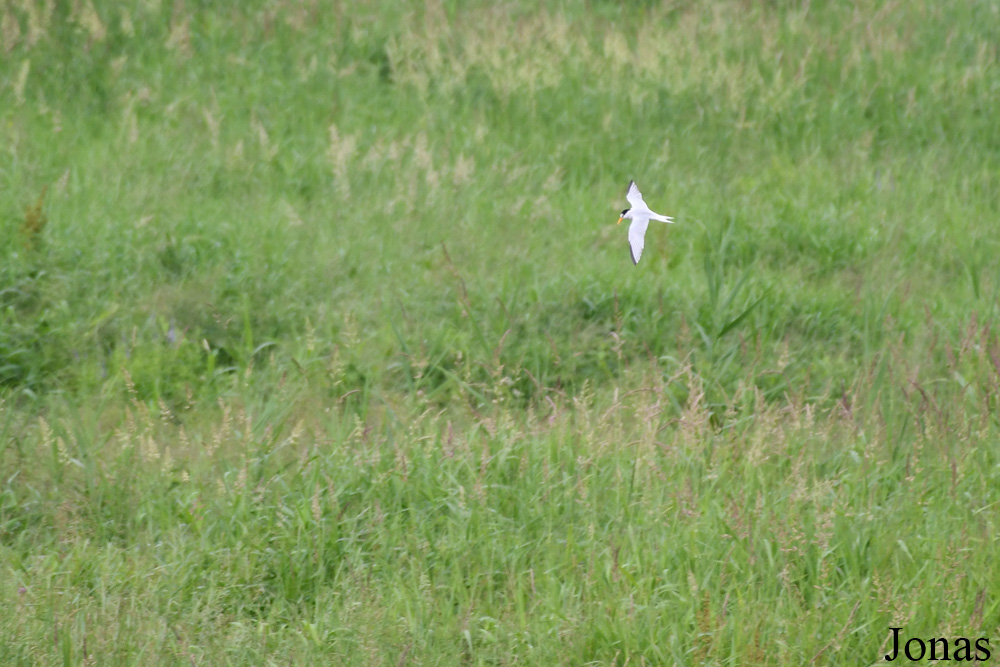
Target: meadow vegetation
(318, 340)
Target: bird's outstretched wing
(633, 196)
(637, 238)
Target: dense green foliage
(318, 339)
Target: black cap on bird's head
(623, 215)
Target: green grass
(318, 341)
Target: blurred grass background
(318, 339)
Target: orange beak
(620, 218)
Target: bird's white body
(640, 215)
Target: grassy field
(318, 341)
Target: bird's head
(623, 215)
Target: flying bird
(640, 215)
